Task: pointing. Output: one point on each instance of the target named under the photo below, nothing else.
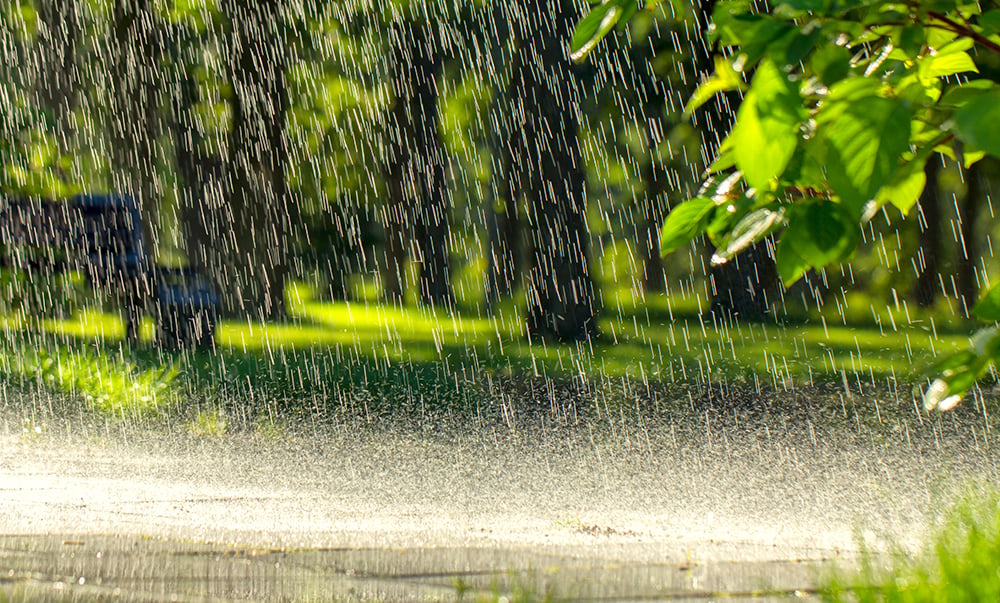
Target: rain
(365, 300)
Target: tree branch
(966, 31)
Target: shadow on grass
(335, 357)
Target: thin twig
(966, 31)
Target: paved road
(689, 504)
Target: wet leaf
(904, 190)
(977, 121)
(767, 126)
(818, 233)
(684, 223)
(865, 136)
(597, 24)
(725, 78)
(957, 375)
(749, 230)
(831, 63)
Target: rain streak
(365, 300)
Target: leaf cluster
(843, 104)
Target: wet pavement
(693, 505)
(95, 567)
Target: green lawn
(657, 339)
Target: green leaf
(721, 188)
(831, 63)
(864, 138)
(790, 264)
(990, 22)
(749, 230)
(720, 224)
(946, 392)
(723, 79)
(959, 372)
(957, 96)
(988, 307)
(818, 233)
(911, 39)
(977, 122)
(905, 188)
(950, 59)
(592, 28)
(767, 126)
(630, 8)
(684, 223)
(756, 35)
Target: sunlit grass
(959, 562)
(652, 338)
(208, 423)
(113, 386)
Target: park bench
(101, 236)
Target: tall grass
(959, 563)
(113, 386)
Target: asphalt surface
(751, 501)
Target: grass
(328, 348)
(112, 386)
(390, 359)
(520, 587)
(960, 562)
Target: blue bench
(101, 236)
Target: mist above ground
(686, 470)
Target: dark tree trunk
(135, 119)
(504, 256)
(743, 291)
(929, 219)
(653, 277)
(416, 170)
(57, 86)
(561, 296)
(504, 265)
(398, 227)
(743, 287)
(135, 126)
(253, 279)
(968, 256)
(200, 173)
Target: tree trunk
(135, 126)
(653, 277)
(253, 278)
(54, 84)
(743, 287)
(57, 86)
(504, 265)
(398, 224)
(561, 296)
(968, 256)
(200, 173)
(504, 256)
(929, 220)
(135, 119)
(417, 165)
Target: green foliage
(958, 564)
(684, 222)
(599, 22)
(846, 103)
(767, 127)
